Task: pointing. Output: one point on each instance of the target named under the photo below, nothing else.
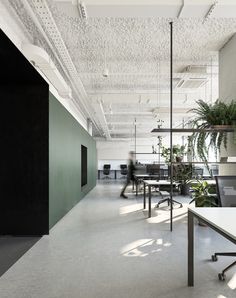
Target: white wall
(227, 92)
(116, 152)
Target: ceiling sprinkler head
(105, 73)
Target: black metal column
(135, 139)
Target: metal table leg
(144, 195)
(149, 201)
(136, 185)
(190, 249)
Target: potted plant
(182, 173)
(203, 194)
(178, 153)
(213, 120)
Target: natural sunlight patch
(130, 208)
(221, 296)
(163, 216)
(144, 247)
(232, 282)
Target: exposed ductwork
(40, 59)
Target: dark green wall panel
(66, 136)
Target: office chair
(123, 170)
(226, 190)
(153, 169)
(106, 171)
(165, 194)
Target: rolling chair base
(214, 258)
(168, 202)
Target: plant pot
(179, 158)
(184, 189)
(234, 135)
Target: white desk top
(222, 218)
(160, 182)
(146, 175)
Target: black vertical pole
(135, 139)
(171, 125)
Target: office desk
(222, 220)
(138, 177)
(150, 184)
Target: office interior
(86, 86)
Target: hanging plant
(216, 118)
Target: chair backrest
(153, 169)
(140, 169)
(123, 169)
(226, 189)
(107, 166)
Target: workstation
(118, 142)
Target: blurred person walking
(130, 174)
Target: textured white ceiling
(137, 56)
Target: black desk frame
(191, 216)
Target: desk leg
(136, 185)
(98, 174)
(115, 174)
(144, 196)
(149, 201)
(190, 249)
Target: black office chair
(106, 171)
(123, 170)
(226, 190)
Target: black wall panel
(24, 190)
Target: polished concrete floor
(12, 249)
(106, 247)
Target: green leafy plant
(182, 173)
(202, 193)
(178, 153)
(210, 116)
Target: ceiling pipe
(181, 9)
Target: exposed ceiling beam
(130, 113)
(210, 11)
(101, 116)
(181, 9)
(43, 13)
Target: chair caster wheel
(221, 276)
(157, 206)
(214, 258)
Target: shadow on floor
(12, 249)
